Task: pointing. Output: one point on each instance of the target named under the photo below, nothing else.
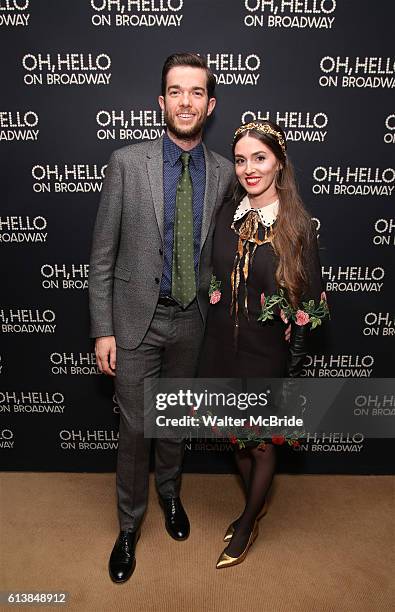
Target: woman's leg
(261, 475)
(243, 461)
(244, 465)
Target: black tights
(256, 469)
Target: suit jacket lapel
(155, 175)
(210, 194)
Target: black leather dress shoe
(176, 520)
(123, 560)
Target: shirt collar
(267, 214)
(172, 152)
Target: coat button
(157, 280)
(160, 252)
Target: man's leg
(133, 448)
(133, 366)
(179, 361)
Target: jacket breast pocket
(122, 273)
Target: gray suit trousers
(169, 349)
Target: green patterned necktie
(183, 288)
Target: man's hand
(288, 333)
(106, 354)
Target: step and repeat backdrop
(80, 78)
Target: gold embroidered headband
(265, 129)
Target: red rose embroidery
(302, 318)
(215, 297)
(278, 440)
(232, 438)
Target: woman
(263, 243)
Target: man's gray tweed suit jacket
(127, 252)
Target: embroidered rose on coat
(214, 291)
(215, 297)
(301, 317)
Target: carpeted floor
(326, 544)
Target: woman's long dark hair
(293, 230)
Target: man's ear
(161, 102)
(211, 105)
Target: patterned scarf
(252, 233)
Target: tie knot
(185, 157)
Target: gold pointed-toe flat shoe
(230, 530)
(227, 561)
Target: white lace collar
(267, 214)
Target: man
(150, 271)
